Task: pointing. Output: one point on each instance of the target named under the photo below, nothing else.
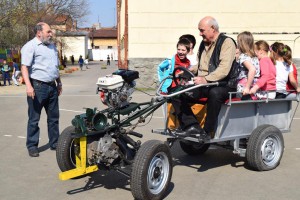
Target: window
(109, 47)
(96, 47)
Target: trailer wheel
(193, 148)
(265, 148)
(151, 171)
(65, 151)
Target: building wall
(155, 26)
(103, 51)
(101, 54)
(104, 43)
(74, 45)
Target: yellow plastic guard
(81, 168)
(199, 111)
(77, 172)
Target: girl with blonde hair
(249, 64)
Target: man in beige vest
(206, 73)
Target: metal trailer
(251, 128)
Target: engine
(104, 151)
(118, 97)
(116, 89)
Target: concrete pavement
(218, 174)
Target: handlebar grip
(135, 134)
(222, 83)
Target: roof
(104, 33)
(72, 33)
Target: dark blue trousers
(46, 96)
(216, 96)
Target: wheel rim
(271, 150)
(73, 150)
(158, 173)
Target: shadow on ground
(214, 157)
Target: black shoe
(53, 147)
(33, 152)
(204, 136)
(192, 130)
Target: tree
(18, 18)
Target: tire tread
(138, 185)
(253, 147)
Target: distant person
(65, 59)
(43, 86)
(63, 63)
(5, 72)
(16, 72)
(80, 61)
(108, 60)
(86, 63)
(72, 60)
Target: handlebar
(158, 91)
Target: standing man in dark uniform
(208, 72)
(43, 86)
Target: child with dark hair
(80, 62)
(181, 60)
(191, 55)
(292, 85)
(284, 69)
(5, 73)
(265, 85)
(166, 67)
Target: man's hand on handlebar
(199, 80)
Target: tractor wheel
(66, 148)
(151, 171)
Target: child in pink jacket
(265, 86)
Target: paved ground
(218, 174)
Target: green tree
(18, 18)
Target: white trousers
(14, 77)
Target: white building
(73, 43)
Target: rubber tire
(193, 148)
(63, 153)
(254, 148)
(139, 185)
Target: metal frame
(250, 114)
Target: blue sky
(104, 10)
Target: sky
(103, 11)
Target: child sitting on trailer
(284, 70)
(265, 85)
(289, 85)
(249, 64)
(167, 67)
